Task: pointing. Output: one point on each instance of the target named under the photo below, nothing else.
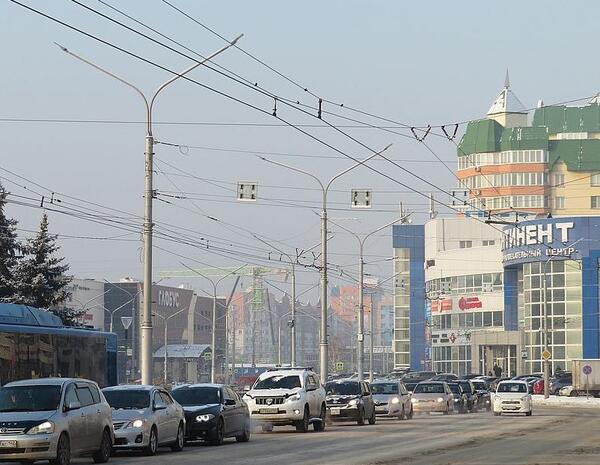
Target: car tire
(528, 414)
(573, 393)
(302, 425)
(63, 451)
(319, 426)
(245, 436)
(402, 415)
(361, 417)
(373, 417)
(216, 439)
(411, 413)
(177, 446)
(496, 414)
(102, 455)
(152, 447)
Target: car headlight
(353, 402)
(43, 428)
(456, 400)
(414, 401)
(204, 418)
(440, 399)
(294, 398)
(496, 398)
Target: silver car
(145, 417)
(54, 419)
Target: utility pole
(323, 349)
(166, 330)
(146, 316)
(546, 360)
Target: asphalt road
(550, 437)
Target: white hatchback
(512, 396)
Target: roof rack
(290, 368)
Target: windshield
(197, 395)
(29, 398)
(512, 387)
(342, 389)
(127, 400)
(410, 386)
(429, 388)
(455, 388)
(279, 382)
(384, 388)
(480, 385)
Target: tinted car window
(95, 393)
(480, 385)
(128, 399)
(429, 388)
(85, 396)
(279, 382)
(342, 389)
(466, 387)
(29, 398)
(166, 398)
(197, 395)
(384, 388)
(512, 387)
(455, 388)
(71, 395)
(158, 400)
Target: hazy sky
(418, 63)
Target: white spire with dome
(507, 103)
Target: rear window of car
(480, 385)
(512, 387)
(455, 388)
(342, 389)
(429, 388)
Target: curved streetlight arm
(356, 165)
(105, 71)
(293, 168)
(183, 73)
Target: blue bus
(35, 344)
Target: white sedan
(512, 396)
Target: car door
(172, 414)
(312, 396)
(76, 420)
(161, 417)
(231, 412)
(93, 427)
(404, 397)
(367, 399)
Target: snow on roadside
(559, 401)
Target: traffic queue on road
(56, 419)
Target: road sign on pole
(126, 321)
(546, 354)
(339, 366)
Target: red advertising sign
(469, 303)
(444, 305)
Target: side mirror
(311, 388)
(159, 407)
(73, 406)
(230, 402)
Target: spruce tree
(40, 275)
(9, 249)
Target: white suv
(512, 396)
(292, 396)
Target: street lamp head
(234, 41)
(64, 49)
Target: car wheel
(361, 417)
(496, 414)
(245, 436)
(488, 407)
(447, 411)
(102, 455)
(63, 451)
(373, 417)
(152, 447)
(573, 393)
(528, 414)
(177, 446)
(302, 425)
(402, 415)
(320, 425)
(216, 439)
(411, 413)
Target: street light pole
(215, 284)
(323, 349)
(146, 320)
(361, 305)
(166, 323)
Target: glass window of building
(595, 201)
(595, 180)
(465, 244)
(559, 203)
(558, 180)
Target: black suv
(350, 400)
(460, 398)
(484, 400)
(470, 393)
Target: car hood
(24, 419)
(129, 414)
(511, 395)
(200, 408)
(272, 392)
(385, 398)
(342, 399)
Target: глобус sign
(556, 238)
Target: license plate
(335, 411)
(8, 444)
(267, 411)
(380, 410)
